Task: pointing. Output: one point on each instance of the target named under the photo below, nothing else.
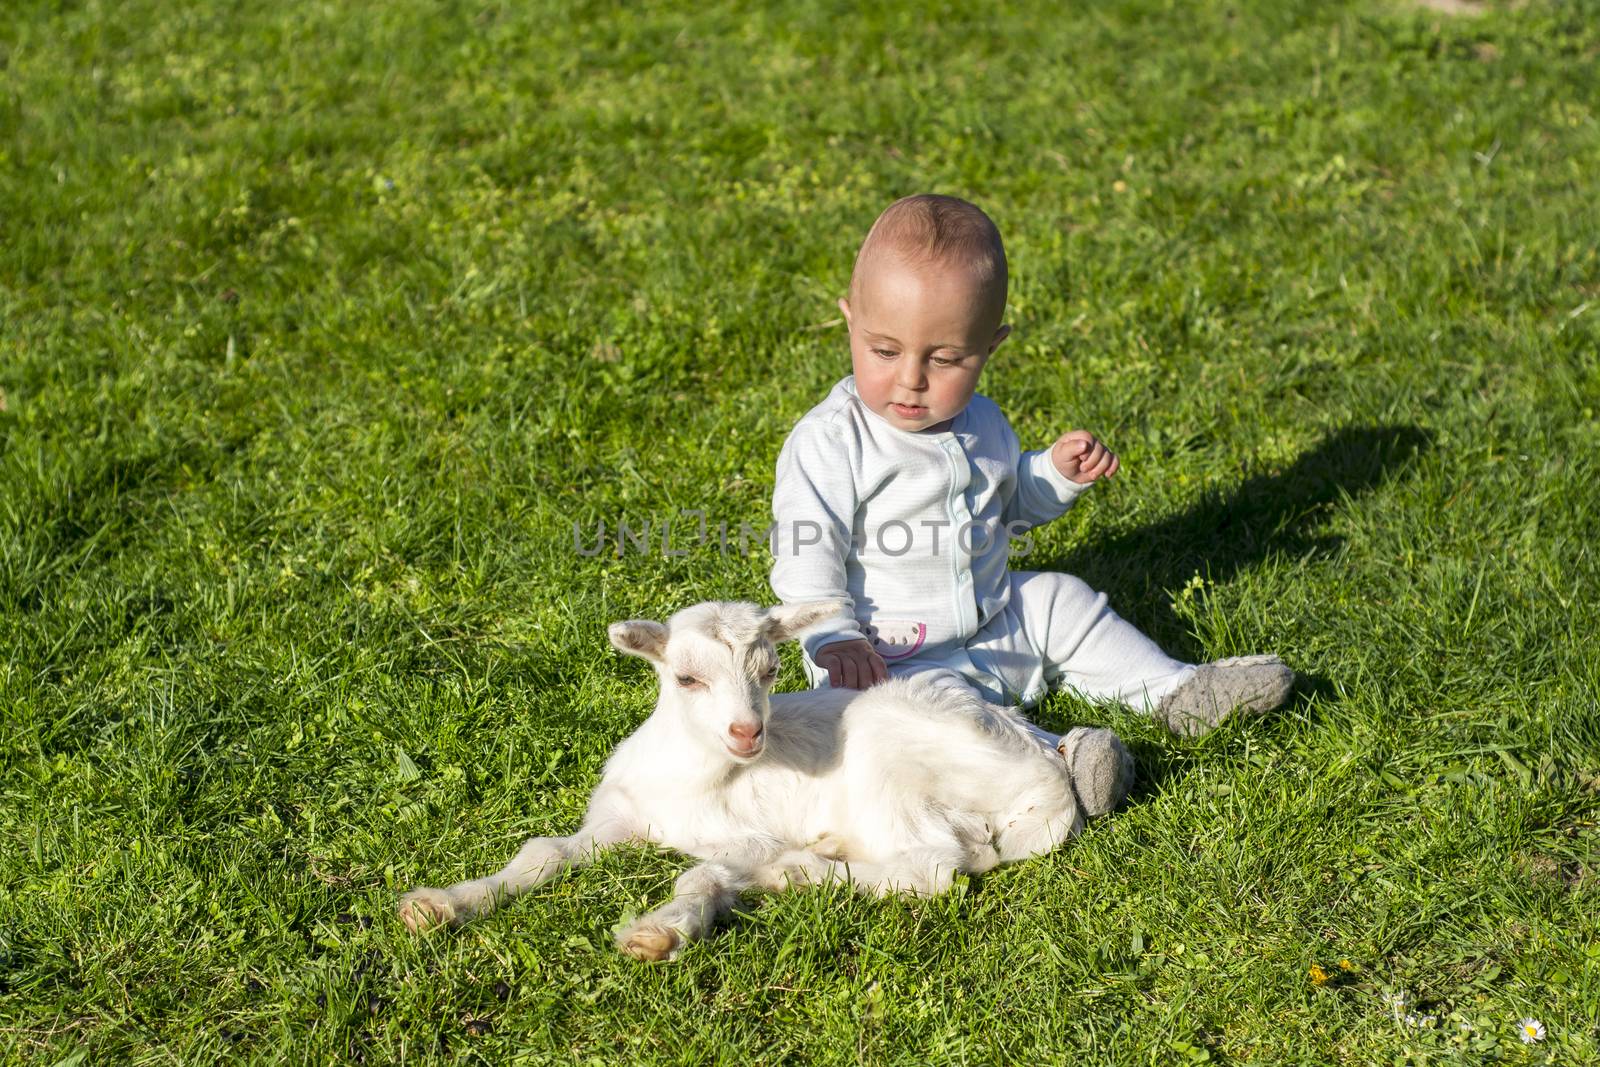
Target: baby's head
(924, 310)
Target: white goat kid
(896, 788)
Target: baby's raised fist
(1081, 457)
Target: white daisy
(1397, 1002)
(1530, 1030)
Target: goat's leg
(924, 872)
(1040, 821)
(539, 860)
(701, 896)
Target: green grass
(321, 324)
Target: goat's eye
(772, 672)
(688, 681)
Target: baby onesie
(915, 530)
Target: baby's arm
(813, 509)
(1044, 490)
(1082, 458)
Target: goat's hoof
(772, 877)
(424, 909)
(830, 847)
(651, 943)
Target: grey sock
(1240, 685)
(1101, 766)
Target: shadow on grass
(1222, 534)
(1219, 536)
(1158, 763)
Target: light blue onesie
(915, 530)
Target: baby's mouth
(908, 411)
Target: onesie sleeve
(1043, 493)
(814, 501)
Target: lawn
(325, 328)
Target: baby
(900, 492)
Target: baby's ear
(786, 620)
(999, 335)
(639, 637)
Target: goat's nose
(747, 732)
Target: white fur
(896, 788)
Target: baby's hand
(852, 664)
(1080, 457)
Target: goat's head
(717, 664)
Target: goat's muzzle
(745, 740)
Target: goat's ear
(639, 637)
(787, 620)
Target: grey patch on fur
(1240, 685)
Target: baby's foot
(1101, 766)
(1240, 685)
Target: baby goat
(895, 788)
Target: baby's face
(919, 337)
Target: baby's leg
(1090, 647)
(1093, 649)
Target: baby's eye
(884, 353)
(944, 361)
